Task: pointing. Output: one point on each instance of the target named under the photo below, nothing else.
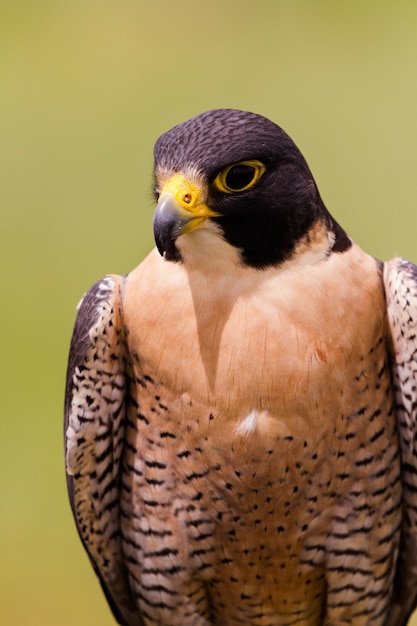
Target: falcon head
(239, 177)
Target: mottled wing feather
(400, 278)
(94, 435)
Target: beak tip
(159, 246)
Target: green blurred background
(85, 88)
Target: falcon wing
(94, 435)
(400, 278)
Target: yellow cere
(188, 195)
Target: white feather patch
(248, 424)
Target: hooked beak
(180, 210)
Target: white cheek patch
(248, 424)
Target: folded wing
(94, 438)
(400, 278)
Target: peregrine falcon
(240, 422)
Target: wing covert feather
(400, 278)
(94, 436)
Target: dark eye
(239, 176)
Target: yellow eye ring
(239, 176)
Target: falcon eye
(239, 176)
